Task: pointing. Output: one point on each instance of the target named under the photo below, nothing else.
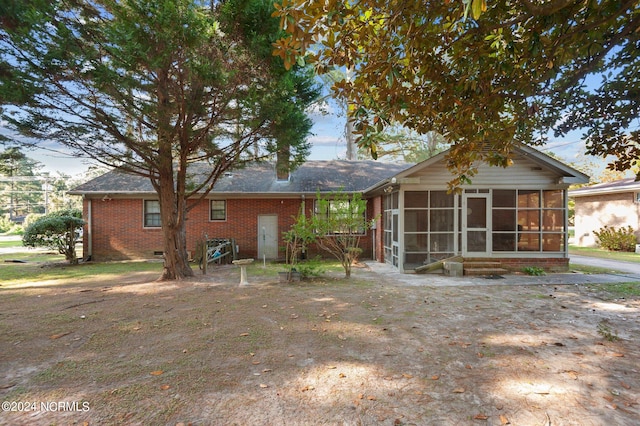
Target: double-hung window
(218, 210)
(343, 217)
(152, 214)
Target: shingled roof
(260, 178)
(622, 185)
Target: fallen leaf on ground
(458, 390)
(263, 386)
(572, 374)
(59, 335)
(504, 420)
(244, 334)
(481, 417)
(435, 377)
(156, 372)
(371, 398)
(165, 387)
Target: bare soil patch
(367, 351)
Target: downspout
(373, 236)
(565, 197)
(303, 205)
(89, 235)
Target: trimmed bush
(59, 230)
(622, 239)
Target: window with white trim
(218, 210)
(347, 217)
(152, 214)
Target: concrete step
(484, 271)
(481, 264)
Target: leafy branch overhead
(484, 74)
(153, 87)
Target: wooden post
(205, 249)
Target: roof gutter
(602, 191)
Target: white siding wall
(524, 173)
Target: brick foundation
(516, 264)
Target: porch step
(476, 268)
(484, 271)
(481, 264)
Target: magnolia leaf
(478, 6)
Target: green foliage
(339, 223)
(402, 144)
(621, 239)
(605, 330)
(311, 268)
(611, 291)
(31, 218)
(21, 187)
(5, 224)
(298, 237)
(151, 87)
(485, 74)
(533, 270)
(59, 230)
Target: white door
(268, 236)
(476, 225)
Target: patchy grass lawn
(116, 347)
(605, 254)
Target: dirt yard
(370, 351)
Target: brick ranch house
(516, 216)
(614, 204)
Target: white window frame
(360, 232)
(145, 223)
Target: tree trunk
(171, 188)
(174, 228)
(176, 258)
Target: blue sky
(328, 142)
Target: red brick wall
(516, 264)
(118, 232)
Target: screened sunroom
(519, 212)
